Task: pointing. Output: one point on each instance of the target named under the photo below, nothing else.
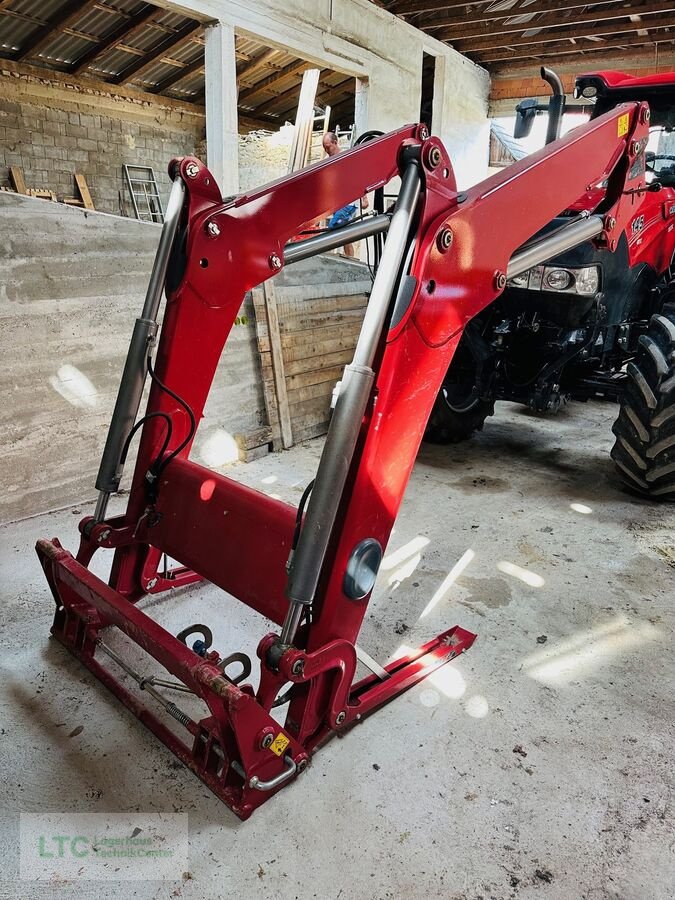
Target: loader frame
(446, 256)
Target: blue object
(342, 216)
(200, 648)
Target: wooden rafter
(42, 35)
(555, 20)
(127, 29)
(408, 7)
(258, 63)
(178, 75)
(279, 104)
(642, 56)
(293, 68)
(602, 29)
(477, 15)
(140, 66)
(586, 51)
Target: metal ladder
(144, 193)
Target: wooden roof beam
(409, 7)
(181, 73)
(292, 69)
(140, 66)
(628, 59)
(555, 20)
(119, 33)
(567, 49)
(258, 63)
(480, 14)
(41, 36)
(546, 37)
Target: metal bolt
(645, 115)
(275, 261)
(302, 765)
(150, 585)
(444, 239)
(192, 170)
(267, 741)
(610, 223)
(298, 667)
(423, 132)
(434, 157)
(213, 229)
(500, 280)
(103, 536)
(341, 716)
(635, 148)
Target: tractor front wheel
(644, 451)
(458, 410)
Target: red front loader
(447, 256)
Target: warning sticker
(279, 744)
(622, 124)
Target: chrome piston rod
(335, 237)
(563, 239)
(133, 378)
(346, 422)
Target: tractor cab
(607, 89)
(604, 91)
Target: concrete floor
(538, 765)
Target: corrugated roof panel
(173, 20)
(14, 33)
(63, 49)
(41, 9)
(112, 62)
(96, 21)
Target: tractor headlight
(558, 279)
(521, 281)
(585, 281)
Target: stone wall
(53, 131)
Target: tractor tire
(644, 451)
(446, 426)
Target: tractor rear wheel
(644, 451)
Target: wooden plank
(17, 179)
(321, 391)
(307, 347)
(276, 350)
(307, 432)
(322, 302)
(318, 375)
(83, 188)
(299, 366)
(321, 326)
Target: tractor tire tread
(644, 450)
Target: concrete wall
(71, 285)
(53, 127)
(358, 38)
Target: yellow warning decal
(279, 744)
(622, 124)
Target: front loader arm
(446, 257)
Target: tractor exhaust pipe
(556, 106)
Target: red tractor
(595, 320)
